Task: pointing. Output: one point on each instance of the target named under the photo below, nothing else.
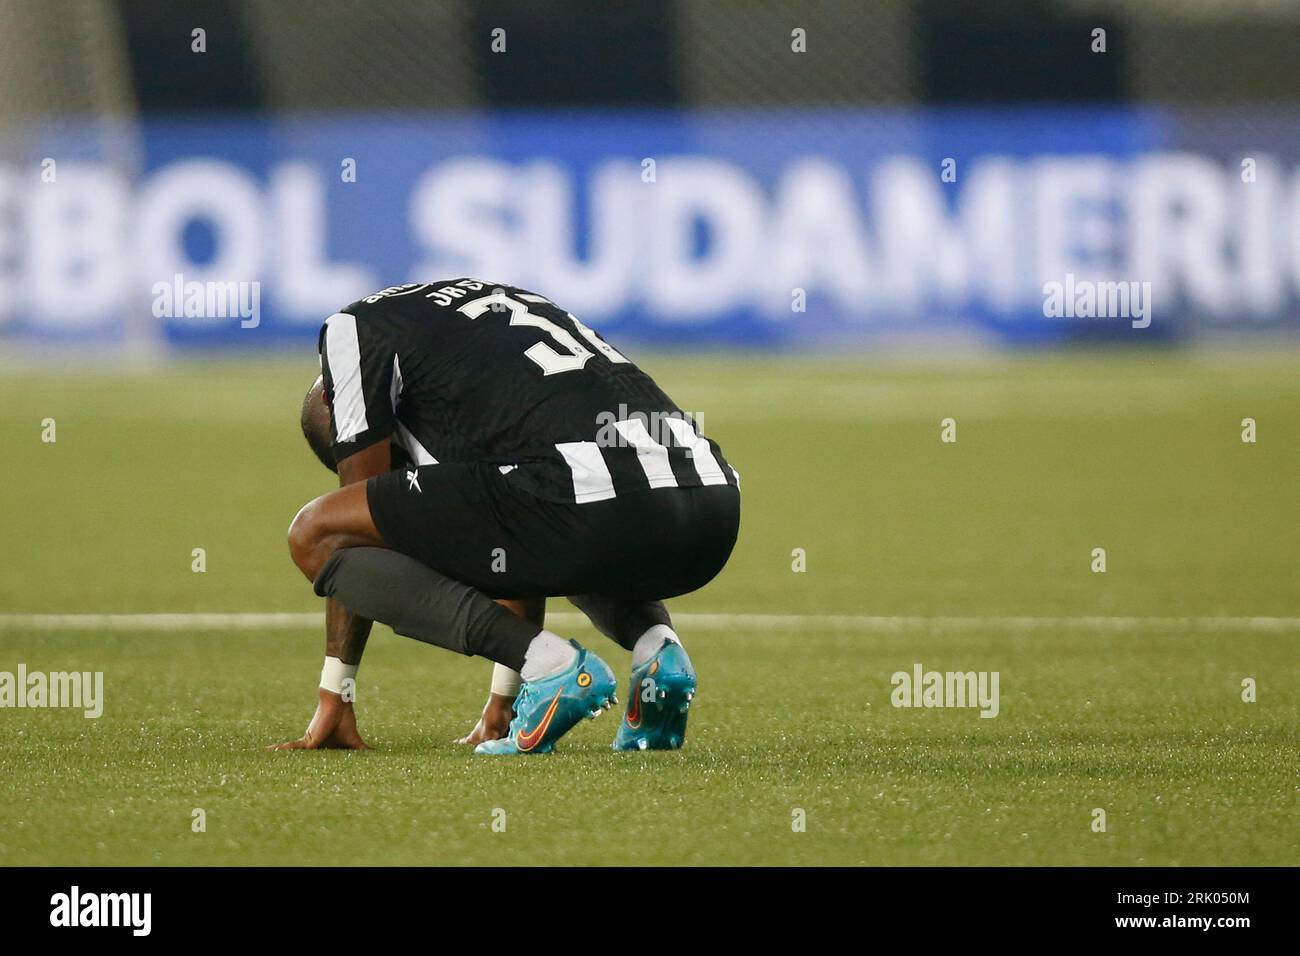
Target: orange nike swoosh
(527, 740)
(634, 711)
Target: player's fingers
(474, 736)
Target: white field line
(705, 622)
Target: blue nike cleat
(659, 696)
(547, 709)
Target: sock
(547, 655)
(417, 601)
(648, 644)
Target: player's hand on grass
(495, 722)
(332, 727)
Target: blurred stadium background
(501, 138)
(315, 152)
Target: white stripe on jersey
(395, 389)
(343, 353)
(419, 454)
(591, 477)
(706, 466)
(652, 455)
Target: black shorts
(475, 525)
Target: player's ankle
(649, 643)
(547, 655)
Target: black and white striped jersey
(467, 370)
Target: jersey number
(571, 354)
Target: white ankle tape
(505, 681)
(335, 672)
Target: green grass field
(1138, 454)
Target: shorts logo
(413, 481)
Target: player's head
(316, 424)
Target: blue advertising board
(757, 228)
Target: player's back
(478, 371)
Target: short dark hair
(316, 424)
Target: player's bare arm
(334, 724)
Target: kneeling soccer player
(544, 464)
